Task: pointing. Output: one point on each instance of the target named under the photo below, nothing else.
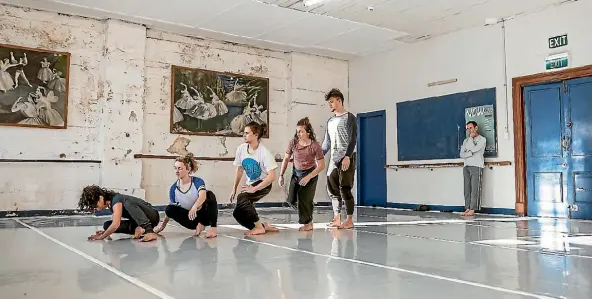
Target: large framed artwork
(33, 87)
(211, 103)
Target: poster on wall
(206, 102)
(33, 87)
(484, 116)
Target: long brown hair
(305, 122)
(189, 162)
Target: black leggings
(339, 185)
(145, 217)
(302, 196)
(207, 215)
(244, 212)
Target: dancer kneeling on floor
(308, 163)
(191, 205)
(259, 165)
(140, 216)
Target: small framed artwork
(212, 103)
(33, 87)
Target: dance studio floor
(390, 254)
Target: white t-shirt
(256, 163)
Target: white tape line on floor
(130, 279)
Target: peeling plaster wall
(28, 186)
(119, 103)
(297, 82)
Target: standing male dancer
(340, 139)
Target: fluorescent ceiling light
(312, 2)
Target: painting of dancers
(213, 103)
(33, 87)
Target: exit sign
(558, 41)
(557, 61)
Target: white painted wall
(476, 58)
(120, 85)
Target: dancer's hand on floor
(95, 237)
(158, 229)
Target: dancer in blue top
(191, 205)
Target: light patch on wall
(443, 82)
(179, 146)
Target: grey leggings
(473, 179)
(137, 214)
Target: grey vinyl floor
(390, 254)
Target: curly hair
(90, 197)
(189, 162)
(305, 122)
(334, 93)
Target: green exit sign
(557, 61)
(558, 41)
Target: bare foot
(212, 233)
(269, 228)
(200, 228)
(336, 222)
(464, 213)
(470, 213)
(258, 230)
(139, 232)
(306, 227)
(149, 237)
(349, 223)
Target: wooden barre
(143, 156)
(48, 161)
(444, 165)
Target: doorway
(558, 148)
(371, 174)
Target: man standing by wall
(340, 140)
(472, 151)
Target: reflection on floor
(390, 254)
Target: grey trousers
(473, 180)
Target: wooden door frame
(518, 85)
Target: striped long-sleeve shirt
(340, 138)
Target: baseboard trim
(442, 208)
(73, 212)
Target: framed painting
(214, 103)
(33, 87)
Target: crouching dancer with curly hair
(141, 217)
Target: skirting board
(484, 210)
(72, 212)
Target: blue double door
(558, 123)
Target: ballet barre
(167, 157)
(48, 161)
(488, 164)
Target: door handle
(564, 143)
(580, 189)
(563, 164)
